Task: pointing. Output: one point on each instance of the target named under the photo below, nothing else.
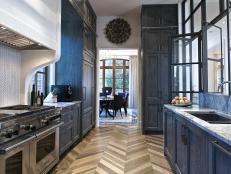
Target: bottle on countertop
(42, 98)
(38, 99)
(33, 96)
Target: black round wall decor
(118, 31)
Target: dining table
(105, 102)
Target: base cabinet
(87, 122)
(219, 157)
(181, 157)
(197, 150)
(70, 131)
(170, 135)
(191, 150)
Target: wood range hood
(15, 40)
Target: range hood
(17, 41)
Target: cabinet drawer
(67, 109)
(159, 15)
(68, 116)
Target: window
(114, 73)
(186, 66)
(204, 24)
(40, 81)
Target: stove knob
(32, 127)
(9, 133)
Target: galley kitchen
(115, 87)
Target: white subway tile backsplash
(10, 70)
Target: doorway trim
(139, 88)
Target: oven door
(44, 150)
(15, 161)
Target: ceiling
(120, 7)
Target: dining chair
(125, 104)
(121, 93)
(107, 91)
(117, 105)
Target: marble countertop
(220, 131)
(62, 104)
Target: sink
(211, 117)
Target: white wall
(40, 21)
(10, 70)
(34, 19)
(133, 18)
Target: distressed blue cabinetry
(77, 63)
(156, 43)
(69, 132)
(186, 145)
(181, 157)
(219, 157)
(169, 141)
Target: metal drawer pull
(216, 144)
(49, 129)
(19, 144)
(84, 93)
(184, 135)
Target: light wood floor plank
(116, 150)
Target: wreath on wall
(118, 31)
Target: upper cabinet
(86, 12)
(159, 16)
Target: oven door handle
(19, 144)
(49, 129)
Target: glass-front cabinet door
(186, 66)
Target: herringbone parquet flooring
(116, 150)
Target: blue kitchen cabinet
(186, 145)
(219, 157)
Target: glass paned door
(186, 66)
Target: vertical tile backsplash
(10, 70)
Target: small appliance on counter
(63, 92)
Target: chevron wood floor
(116, 150)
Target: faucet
(222, 84)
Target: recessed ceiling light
(223, 22)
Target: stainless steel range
(29, 139)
